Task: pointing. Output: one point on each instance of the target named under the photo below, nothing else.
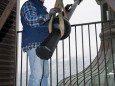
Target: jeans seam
(34, 66)
(42, 73)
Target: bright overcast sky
(87, 11)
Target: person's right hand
(79, 2)
(53, 11)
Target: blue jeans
(39, 69)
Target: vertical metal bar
(111, 38)
(63, 64)
(97, 53)
(104, 54)
(17, 26)
(76, 55)
(16, 67)
(90, 54)
(21, 70)
(83, 53)
(50, 72)
(27, 70)
(70, 60)
(57, 63)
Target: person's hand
(79, 2)
(53, 11)
(68, 7)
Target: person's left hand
(53, 11)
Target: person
(34, 19)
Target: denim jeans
(39, 69)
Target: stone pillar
(108, 38)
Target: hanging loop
(58, 4)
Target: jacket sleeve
(29, 13)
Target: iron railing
(85, 58)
